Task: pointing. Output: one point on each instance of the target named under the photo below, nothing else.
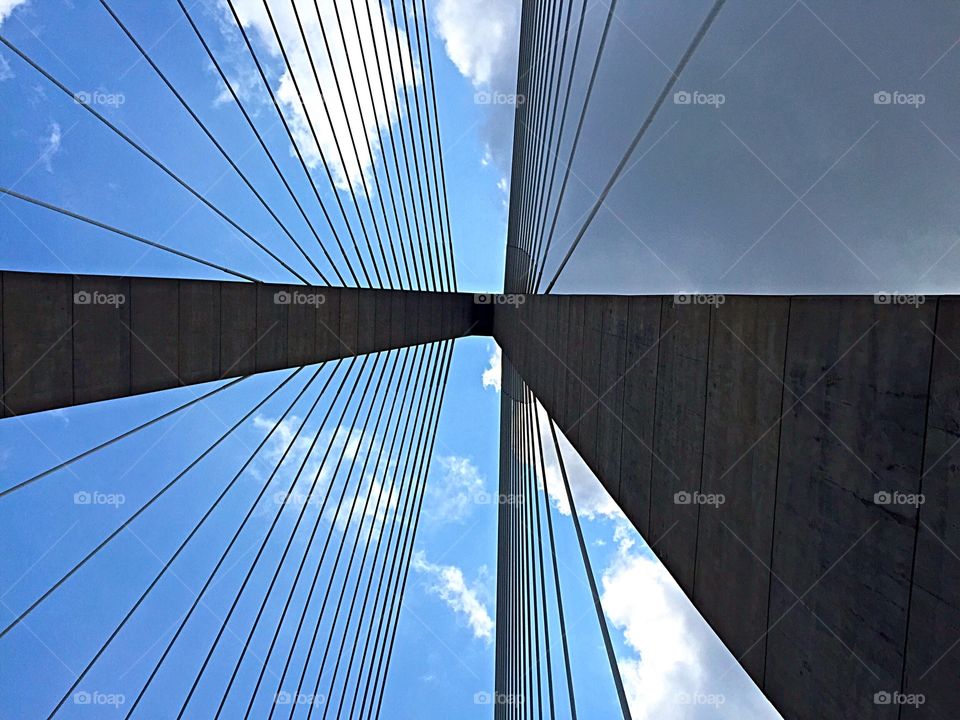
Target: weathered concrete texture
(755, 444)
(75, 339)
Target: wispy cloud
(447, 583)
(8, 6)
(455, 492)
(51, 146)
(491, 376)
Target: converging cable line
(671, 81)
(152, 158)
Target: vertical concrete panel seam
(703, 445)
(653, 423)
(916, 532)
(776, 488)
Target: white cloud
(491, 376)
(482, 38)
(6, 72)
(447, 583)
(51, 146)
(8, 6)
(359, 47)
(456, 491)
(591, 498)
(680, 669)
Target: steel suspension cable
(236, 535)
(568, 165)
(535, 511)
(436, 114)
(429, 282)
(306, 605)
(419, 460)
(556, 571)
(651, 116)
(346, 580)
(545, 70)
(263, 545)
(166, 566)
(118, 438)
(373, 568)
(393, 144)
(149, 156)
(77, 566)
(303, 561)
(296, 147)
(226, 156)
(424, 473)
(383, 144)
(316, 137)
(137, 238)
(399, 520)
(541, 260)
(263, 145)
(432, 192)
(552, 155)
(363, 121)
(435, 274)
(608, 645)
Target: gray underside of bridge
(73, 339)
(798, 411)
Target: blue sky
(444, 656)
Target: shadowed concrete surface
(72, 339)
(792, 461)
